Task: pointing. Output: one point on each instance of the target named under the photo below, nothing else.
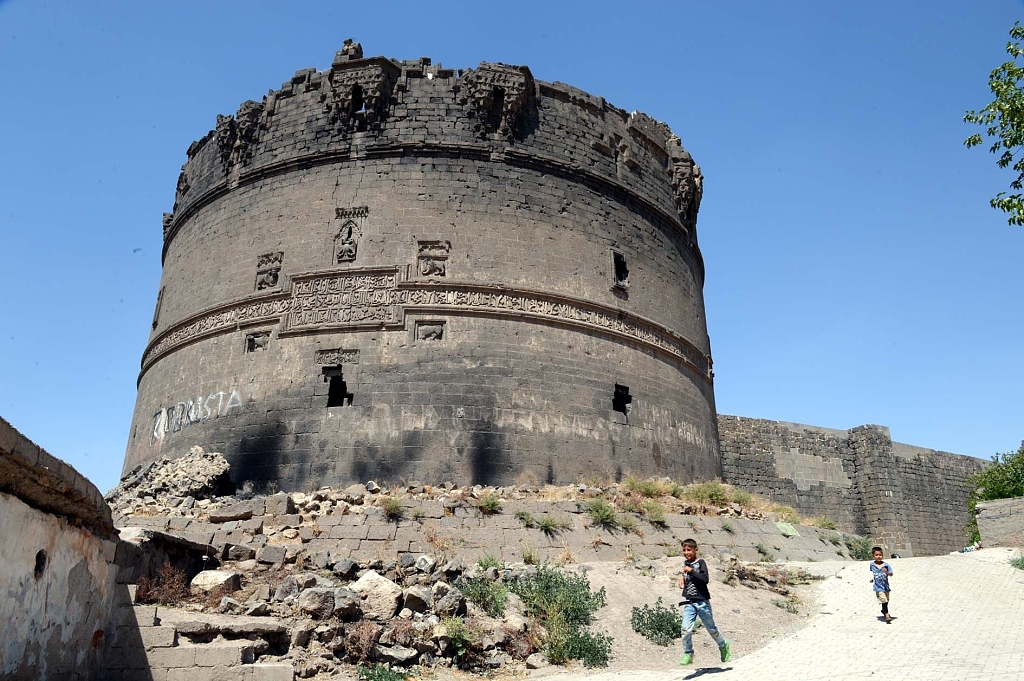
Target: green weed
(657, 623)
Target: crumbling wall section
(57, 573)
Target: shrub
(550, 525)
(489, 560)
(646, 488)
(526, 519)
(463, 637)
(654, 513)
(788, 606)
(652, 488)
(766, 555)
(567, 643)
(740, 496)
(378, 672)
(1018, 562)
(712, 492)
(786, 513)
(530, 555)
(1002, 480)
(859, 547)
(169, 587)
(626, 523)
(728, 528)
(565, 605)
(490, 504)
(602, 514)
(360, 640)
(393, 508)
(491, 596)
(825, 523)
(657, 623)
(629, 504)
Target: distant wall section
(909, 499)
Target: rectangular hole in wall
(621, 399)
(621, 271)
(338, 394)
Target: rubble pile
(405, 612)
(166, 482)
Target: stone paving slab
(956, 618)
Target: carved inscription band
(379, 297)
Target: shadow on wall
(259, 457)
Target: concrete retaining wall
(57, 546)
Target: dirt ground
(746, 616)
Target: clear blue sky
(855, 272)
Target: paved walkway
(955, 618)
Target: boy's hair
(692, 543)
(876, 548)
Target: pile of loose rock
(396, 612)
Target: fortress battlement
(372, 108)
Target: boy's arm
(888, 569)
(700, 572)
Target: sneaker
(687, 659)
(888, 619)
(724, 650)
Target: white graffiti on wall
(183, 414)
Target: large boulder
(380, 596)
(345, 568)
(279, 504)
(453, 603)
(208, 580)
(347, 604)
(288, 588)
(418, 598)
(395, 654)
(317, 602)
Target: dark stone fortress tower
(394, 270)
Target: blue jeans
(702, 609)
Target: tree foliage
(1003, 119)
(1004, 479)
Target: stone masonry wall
(461, 531)
(57, 546)
(390, 269)
(910, 500)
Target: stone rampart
(391, 269)
(57, 574)
(909, 499)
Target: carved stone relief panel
(268, 270)
(336, 356)
(432, 258)
(430, 330)
(257, 341)
(346, 239)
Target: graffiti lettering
(180, 415)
